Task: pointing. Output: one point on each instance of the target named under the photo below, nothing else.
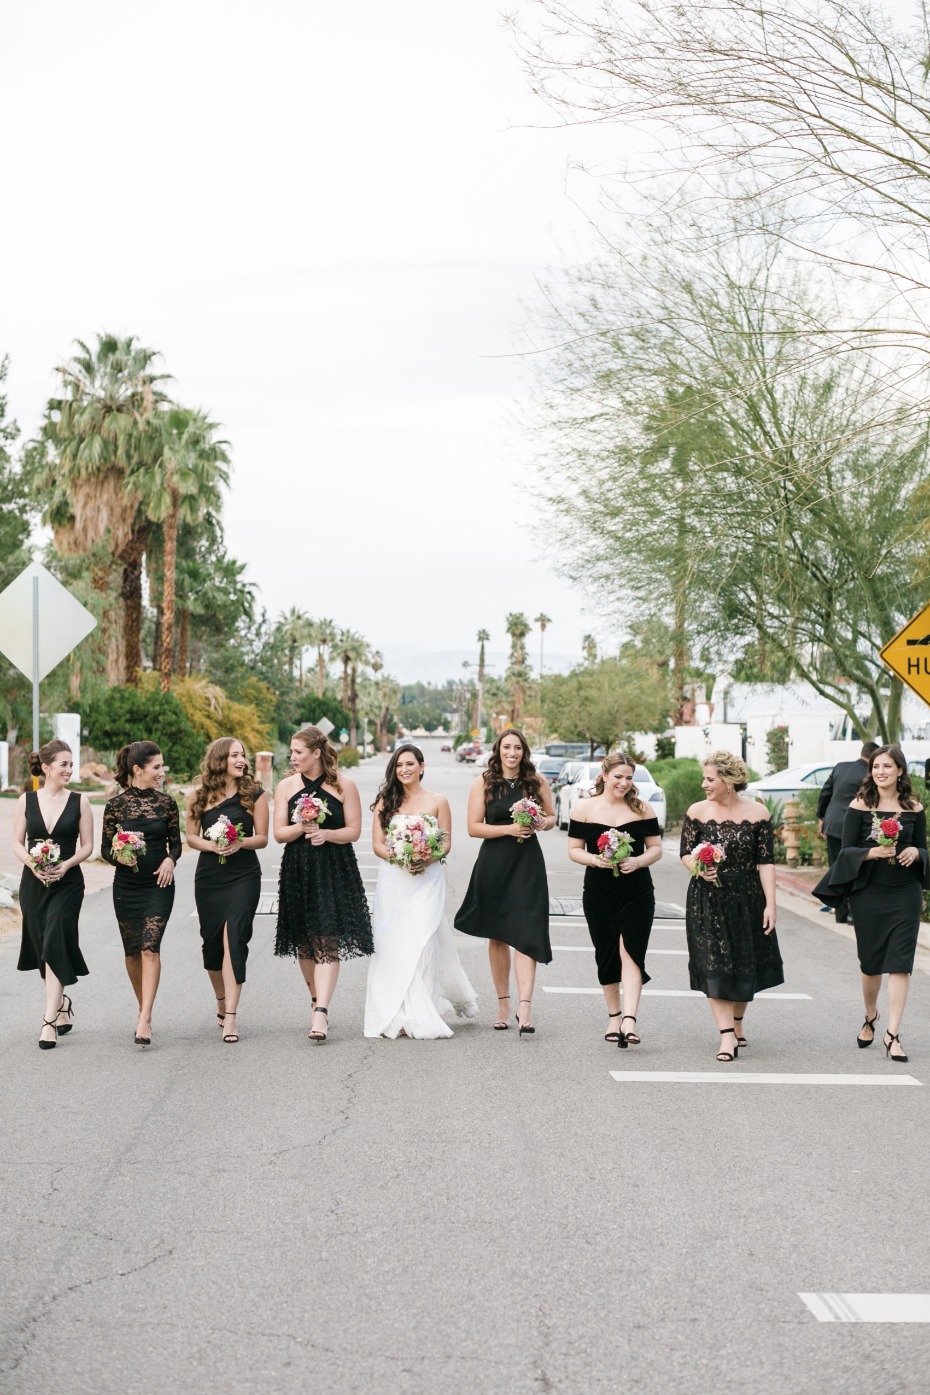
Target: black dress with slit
(508, 893)
(730, 955)
(226, 893)
(621, 907)
(142, 906)
(50, 913)
(323, 911)
(885, 898)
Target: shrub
(348, 756)
(212, 714)
(682, 788)
(122, 715)
(776, 748)
(313, 709)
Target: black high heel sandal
(728, 1055)
(869, 1022)
(613, 1036)
(502, 1026)
(48, 1045)
(524, 1031)
(888, 1041)
(319, 1037)
(220, 1015)
(144, 1041)
(231, 1036)
(68, 1011)
(740, 1041)
(632, 1038)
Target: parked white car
(786, 784)
(582, 787)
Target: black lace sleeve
(110, 826)
(690, 836)
(173, 820)
(765, 843)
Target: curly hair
(530, 780)
(730, 768)
(137, 753)
(631, 797)
(392, 793)
(210, 785)
(869, 792)
(314, 740)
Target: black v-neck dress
(226, 893)
(618, 907)
(50, 913)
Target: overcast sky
(325, 217)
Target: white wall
(67, 727)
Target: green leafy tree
(129, 714)
(605, 704)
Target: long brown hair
(392, 792)
(530, 781)
(314, 740)
(210, 786)
(868, 790)
(632, 796)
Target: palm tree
(518, 627)
(542, 621)
(483, 639)
(589, 649)
(322, 635)
(359, 652)
(294, 628)
(347, 644)
(181, 486)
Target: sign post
(908, 654)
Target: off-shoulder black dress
(508, 894)
(618, 907)
(322, 908)
(142, 906)
(226, 893)
(50, 913)
(730, 955)
(884, 897)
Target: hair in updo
(137, 753)
(45, 755)
(730, 768)
(315, 740)
(632, 795)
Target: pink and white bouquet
(415, 840)
(528, 814)
(706, 856)
(614, 847)
(310, 809)
(223, 834)
(885, 832)
(127, 847)
(44, 855)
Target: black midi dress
(323, 911)
(142, 906)
(885, 898)
(508, 893)
(50, 913)
(618, 907)
(730, 955)
(226, 894)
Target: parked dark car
(550, 766)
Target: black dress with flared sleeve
(508, 893)
(621, 907)
(730, 955)
(142, 906)
(51, 912)
(885, 898)
(226, 893)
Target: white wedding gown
(414, 974)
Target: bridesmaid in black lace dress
(50, 898)
(323, 914)
(228, 880)
(143, 893)
(731, 906)
(619, 909)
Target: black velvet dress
(885, 898)
(624, 905)
(322, 907)
(50, 913)
(731, 957)
(142, 906)
(508, 894)
(226, 894)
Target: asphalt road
(484, 1213)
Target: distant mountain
(412, 665)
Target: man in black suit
(836, 794)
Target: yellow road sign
(908, 654)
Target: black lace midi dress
(885, 898)
(622, 906)
(323, 911)
(730, 955)
(50, 913)
(508, 893)
(142, 906)
(226, 894)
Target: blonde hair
(631, 797)
(730, 768)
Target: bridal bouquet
(127, 847)
(885, 832)
(44, 855)
(528, 814)
(614, 847)
(414, 840)
(310, 809)
(704, 857)
(223, 834)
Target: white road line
(589, 949)
(734, 1075)
(690, 993)
(868, 1307)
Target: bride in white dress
(414, 974)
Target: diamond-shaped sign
(63, 621)
(908, 654)
(324, 725)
